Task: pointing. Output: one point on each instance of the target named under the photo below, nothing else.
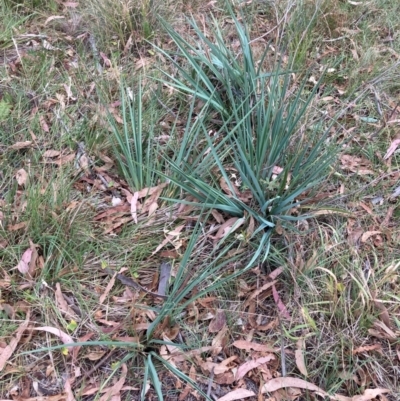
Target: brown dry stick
(133, 284)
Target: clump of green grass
(125, 22)
(31, 5)
(192, 280)
(261, 118)
(10, 23)
(136, 148)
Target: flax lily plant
(270, 133)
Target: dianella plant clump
(268, 134)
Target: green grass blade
(182, 376)
(154, 377)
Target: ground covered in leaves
(88, 259)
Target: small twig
(96, 54)
(16, 49)
(386, 122)
(210, 381)
(356, 21)
(377, 101)
(335, 39)
(103, 180)
(283, 355)
(61, 121)
(393, 111)
(362, 188)
(133, 284)
(32, 35)
(166, 107)
(377, 79)
(95, 367)
(279, 22)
